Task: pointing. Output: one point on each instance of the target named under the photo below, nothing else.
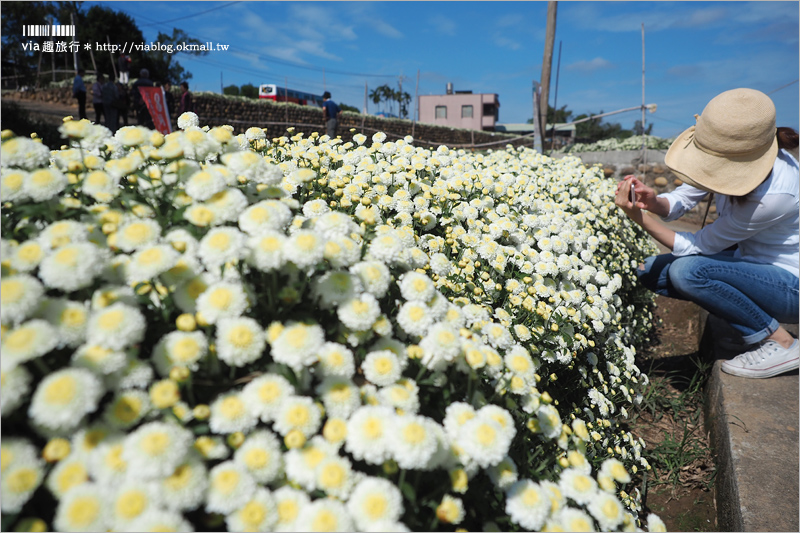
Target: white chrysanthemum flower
(342, 252)
(503, 474)
(19, 297)
(15, 384)
(221, 245)
(484, 440)
(386, 247)
(497, 335)
(266, 250)
(229, 414)
(549, 421)
(265, 395)
(12, 183)
(26, 256)
(415, 318)
(70, 319)
(335, 477)
(229, 487)
(197, 144)
(188, 120)
(382, 367)
(64, 397)
(607, 510)
(615, 469)
(259, 513)
(571, 519)
(315, 208)
(578, 485)
(325, 515)
(100, 360)
(132, 500)
(654, 523)
(298, 344)
(24, 153)
(180, 348)
(450, 510)
(185, 488)
(127, 408)
(265, 215)
(137, 233)
(520, 363)
(298, 413)
(414, 442)
(227, 205)
(101, 186)
(239, 341)
(441, 265)
(335, 224)
(374, 275)
(106, 465)
(456, 415)
(335, 287)
(149, 262)
(202, 215)
(205, 184)
(359, 313)
(155, 449)
(22, 474)
(85, 508)
(527, 504)
(302, 463)
(44, 184)
(290, 504)
(369, 431)
(132, 135)
(416, 287)
(340, 396)
(157, 519)
(222, 300)
(305, 248)
(116, 327)
(72, 267)
(441, 345)
(336, 360)
(403, 396)
(261, 455)
(374, 502)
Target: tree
(162, 64)
(387, 94)
(637, 128)
(345, 107)
(249, 90)
(232, 90)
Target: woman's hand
(646, 198)
(625, 196)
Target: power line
(227, 4)
(783, 86)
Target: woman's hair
(787, 138)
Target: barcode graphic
(47, 30)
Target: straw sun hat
(733, 146)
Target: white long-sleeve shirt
(766, 226)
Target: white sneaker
(764, 361)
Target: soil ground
(685, 502)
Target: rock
(678, 182)
(660, 181)
(608, 172)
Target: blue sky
(693, 51)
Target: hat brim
(730, 175)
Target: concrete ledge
(753, 424)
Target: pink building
(460, 109)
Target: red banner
(154, 100)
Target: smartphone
(633, 195)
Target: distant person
(143, 117)
(124, 63)
(330, 114)
(79, 92)
(169, 98)
(186, 99)
(124, 102)
(97, 98)
(110, 103)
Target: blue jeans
(752, 297)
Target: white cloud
(443, 25)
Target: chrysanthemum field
(213, 331)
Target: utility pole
(547, 62)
